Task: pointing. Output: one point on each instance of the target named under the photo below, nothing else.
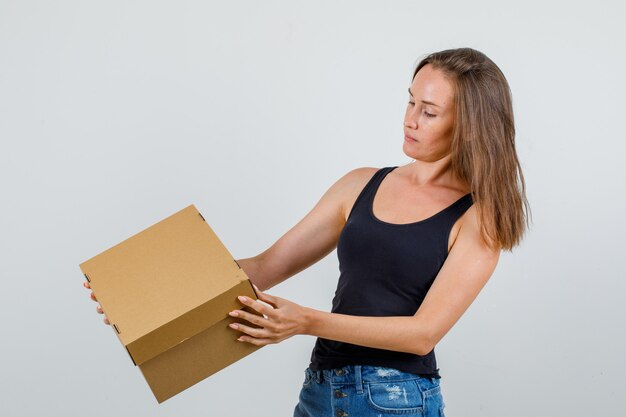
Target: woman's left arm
(466, 270)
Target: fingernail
(242, 298)
(234, 313)
(233, 325)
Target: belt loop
(358, 380)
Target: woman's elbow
(424, 343)
(422, 349)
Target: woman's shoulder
(355, 179)
(472, 231)
(360, 174)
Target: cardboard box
(167, 292)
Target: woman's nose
(410, 123)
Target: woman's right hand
(98, 308)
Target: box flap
(166, 283)
(197, 358)
(190, 324)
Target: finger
(259, 333)
(260, 307)
(252, 318)
(255, 341)
(106, 320)
(93, 297)
(86, 284)
(99, 309)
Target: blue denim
(364, 391)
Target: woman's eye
(411, 103)
(429, 114)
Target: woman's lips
(409, 139)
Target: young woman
(416, 244)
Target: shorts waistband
(357, 374)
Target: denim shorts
(364, 391)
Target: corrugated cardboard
(167, 291)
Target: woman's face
(429, 116)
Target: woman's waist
(348, 374)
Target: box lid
(166, 283)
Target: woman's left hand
(279, 322)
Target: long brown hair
(483, 143)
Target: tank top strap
(460, 207)
(361, 202)
(452, 214)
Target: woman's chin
(408, 151)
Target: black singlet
(386, 269)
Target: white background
(116, 114)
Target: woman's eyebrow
(425, 101)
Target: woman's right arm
(312, 238)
